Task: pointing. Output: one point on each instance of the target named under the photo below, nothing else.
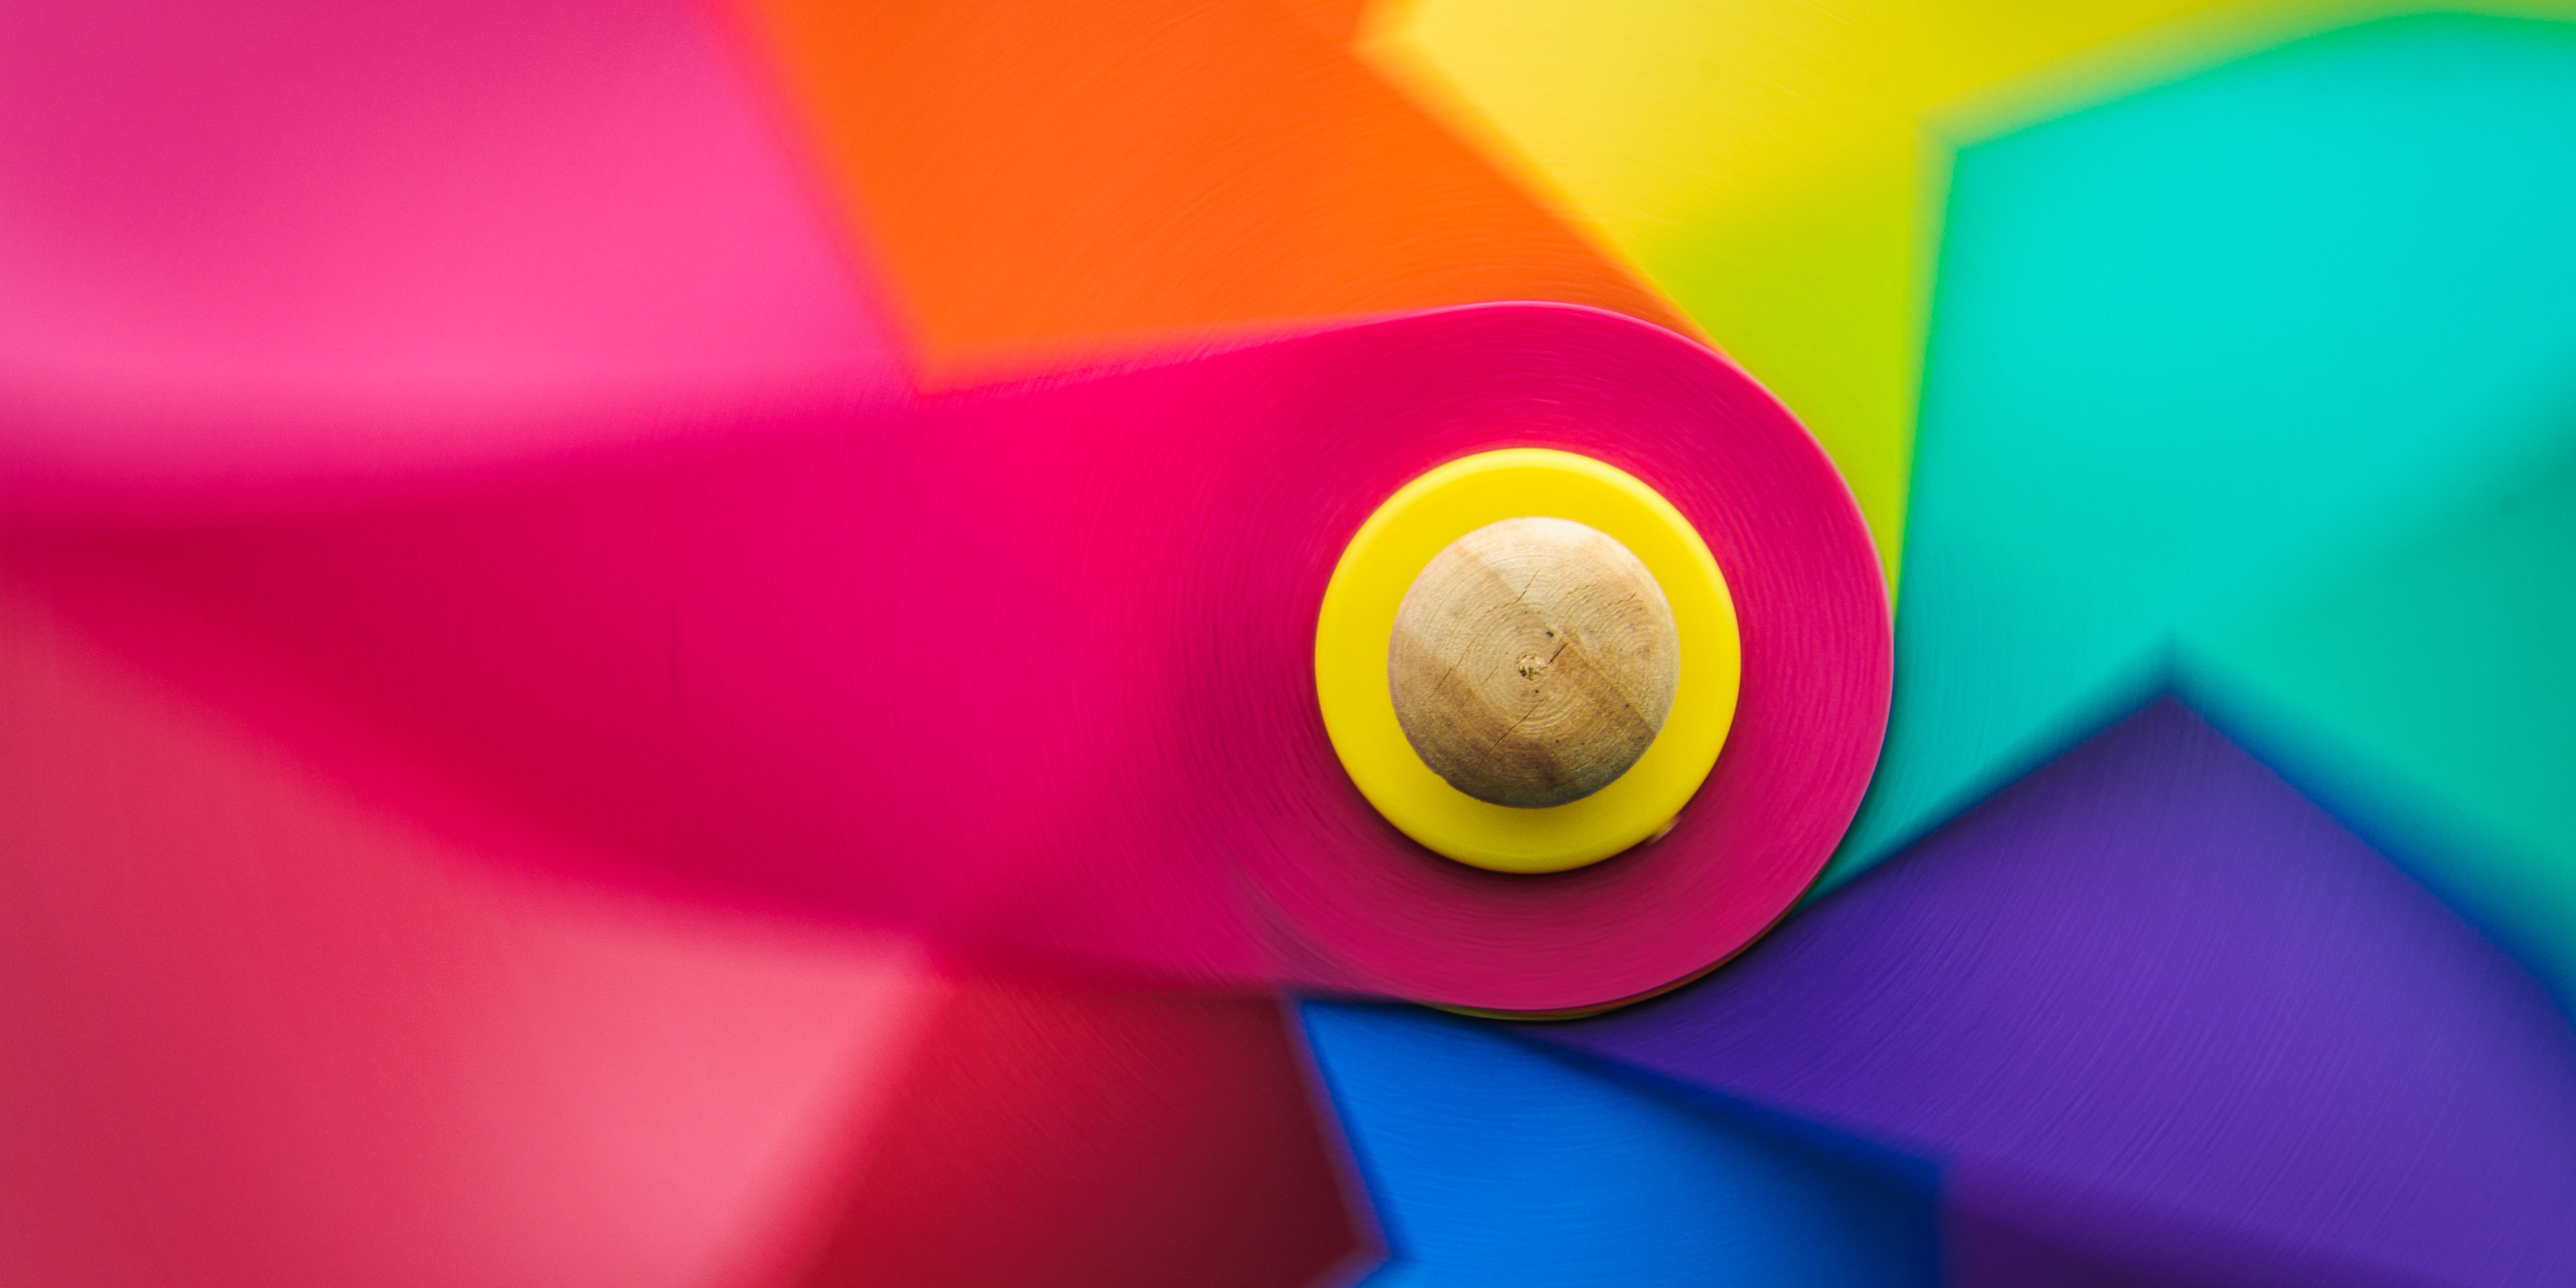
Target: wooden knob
(1533, 661)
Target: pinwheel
(831, 643)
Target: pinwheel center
(1533, 661)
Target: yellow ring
(1358, 619)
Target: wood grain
(1533, 662)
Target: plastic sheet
(2151, 1010)
(1032, 670)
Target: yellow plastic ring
(1358, 620)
